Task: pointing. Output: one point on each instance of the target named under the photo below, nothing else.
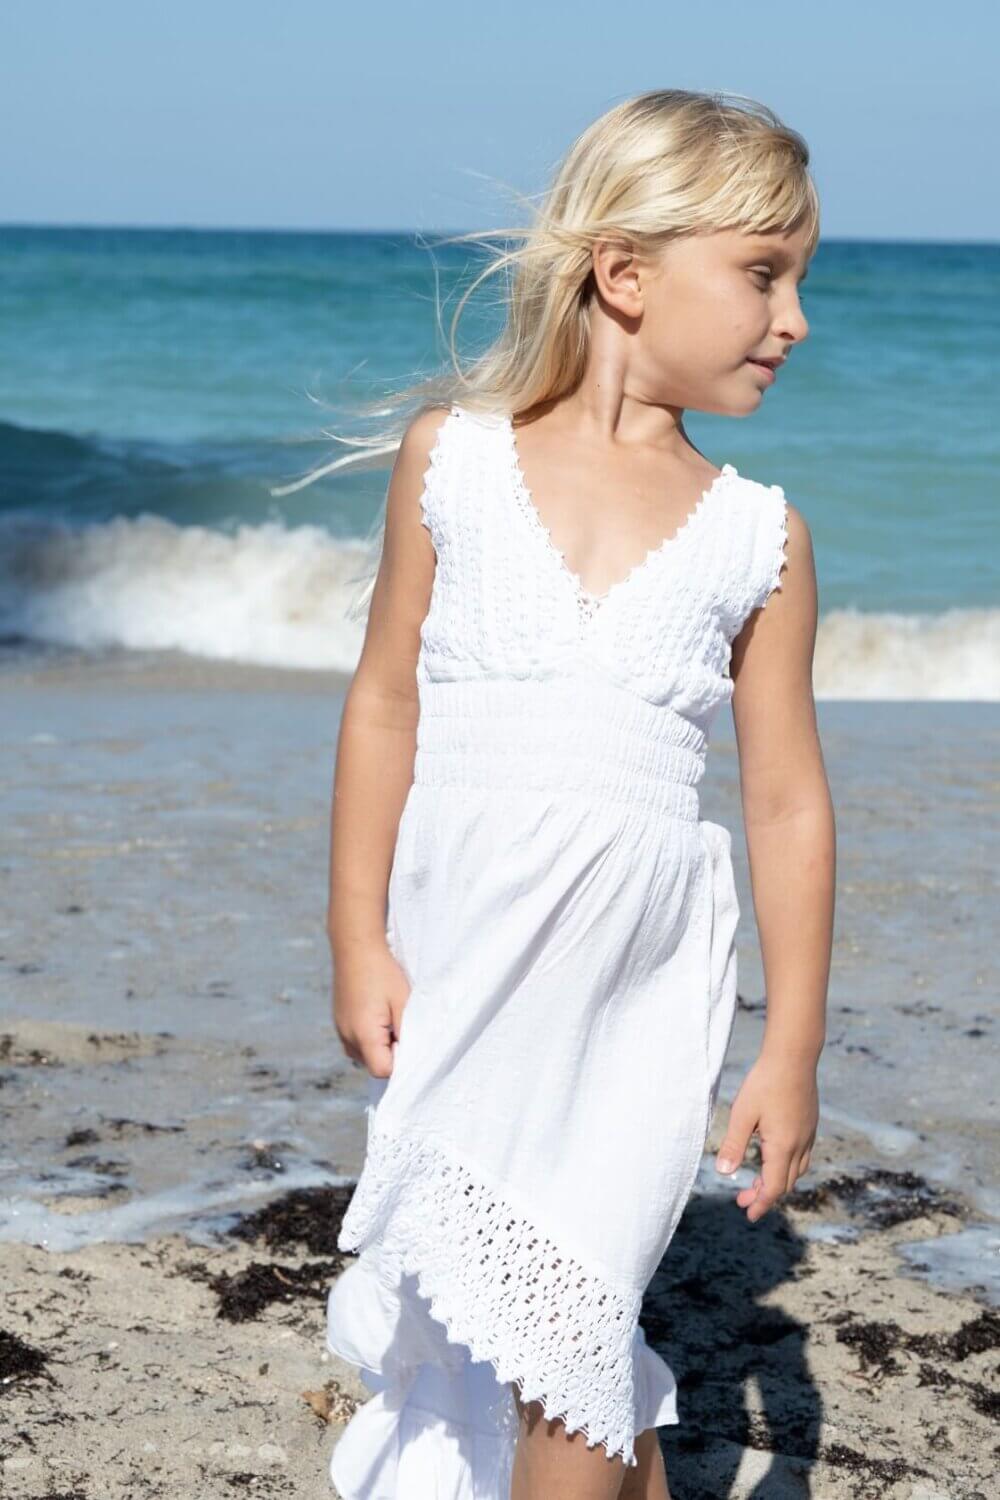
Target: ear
(617, 277)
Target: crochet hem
(484, 1270)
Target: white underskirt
(438, 1425)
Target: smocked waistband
(584, 736)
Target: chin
(749, 403)
(746, 408)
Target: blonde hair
(661, 165)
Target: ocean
(157, 385)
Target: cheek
(702, 325)
(749, 314)
(686, 329)
(718, 317)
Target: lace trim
(590, 604)
(429, 482)
(778, 557)
(563, 1334)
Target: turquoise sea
(156, 384)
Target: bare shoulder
(783, 629)
(798, 577)
(799, 535)
(409, 472)
(402, 587)
(419, 438)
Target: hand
(370, 991)
(779, 1100)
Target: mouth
(769, 368)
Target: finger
(396, 1017)
(377, 1053)
(800, 1169)
(737, 1138)
(774, 1175)
(747, 1195)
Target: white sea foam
(277, 595)
(890, 1140)
(954, 654)
(268, 594)
(186, 1208)
(969, 1258)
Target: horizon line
(182, 228)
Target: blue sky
(316, 114)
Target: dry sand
(807, 1366)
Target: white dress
(567, 922)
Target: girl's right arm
(374, 767)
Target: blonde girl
(532, 927)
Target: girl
(532, 928)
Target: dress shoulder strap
(770, 538)
(438, 476)
(752, 550)
(444, 502)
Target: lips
(764, 369)
(769, 364)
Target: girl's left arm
(791, 844)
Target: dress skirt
(567, 922)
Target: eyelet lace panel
(559, 1331)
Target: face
(704, 310)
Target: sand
(807, 1366)
(179, 1133)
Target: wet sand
(169, 1071)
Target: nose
(792, 323)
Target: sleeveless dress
(567, 922)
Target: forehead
(785, 243)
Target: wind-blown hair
(662, 165)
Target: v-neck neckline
(591, 605)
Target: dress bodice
(505, 605)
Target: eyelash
(769, 273)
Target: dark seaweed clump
(880, 1345)
(63, 1495)
(306, 1216)
(18, 1361)
(309, 1218)
(881, 1198)
(245, 1294)
(886, 1471)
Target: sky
(318, 114)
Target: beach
(181, 1131)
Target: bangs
(767, 190)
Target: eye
(764, 271)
